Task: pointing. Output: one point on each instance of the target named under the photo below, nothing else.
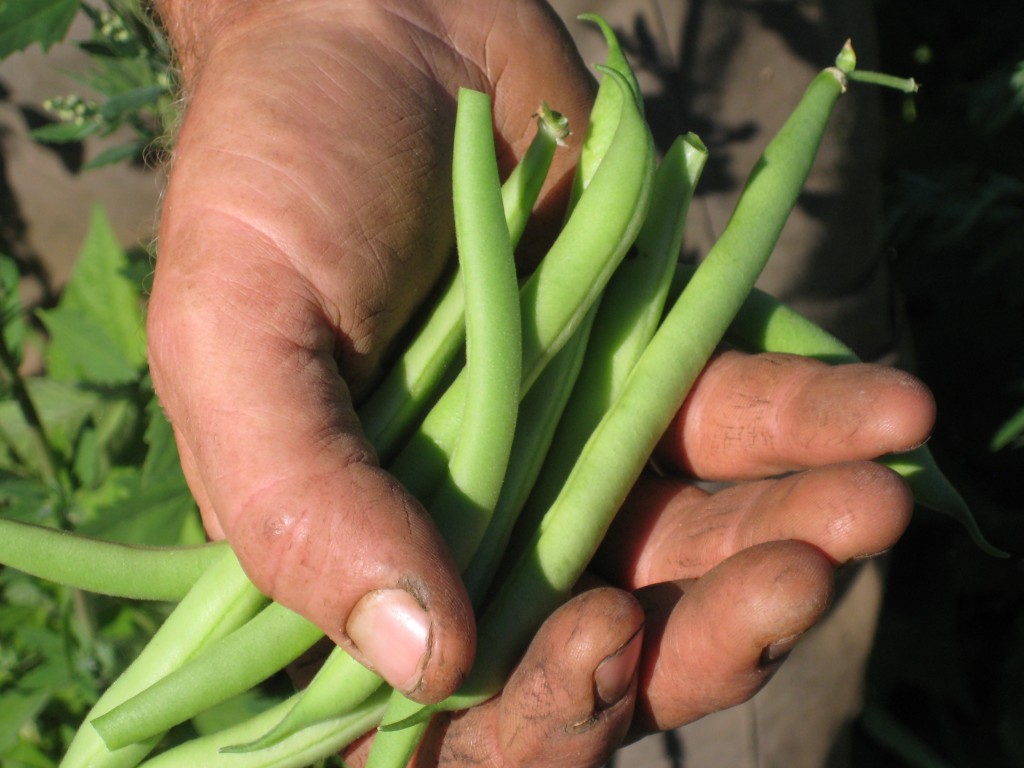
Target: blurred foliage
(129, 71)
(947, 677)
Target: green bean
(221, 600)
(600, 130)
(764, 324)
(629, 313)
(406, 391)
(476, 469)
(302, 749)
(539, 415)
(227, 667)
(557, 295)
(341, 685)
(106, 567)
(619, 447)
(469, 491)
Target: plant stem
(49, 463)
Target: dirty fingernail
(775, 653)
(614, 675)
(392, 631)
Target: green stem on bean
(522, 188)
(846, 61)
(107, 567)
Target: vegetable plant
(519, 393)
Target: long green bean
(221, 600)
(469, 491)
(105, 567)
(407, 390)
(211, 677)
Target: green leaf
(64, 408)
(128, 151)
(162, 466)
(1008, 432)
(23, 499)
(82, 350)
(16, 709)
(24, 22)
(102, 303)
(26, 755)
(131, 101)
(65, 133)
(121, 509)
(12, 319)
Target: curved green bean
(407, 390)
(221, 600)
(106, 567)
(607, 104)
(300, 750)
(465, 500)
(265, 644)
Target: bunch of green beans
(568, 382)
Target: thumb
(243, 360)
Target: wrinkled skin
(306, 217)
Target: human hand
(307, 215)
(290, 258)
(696, 598)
